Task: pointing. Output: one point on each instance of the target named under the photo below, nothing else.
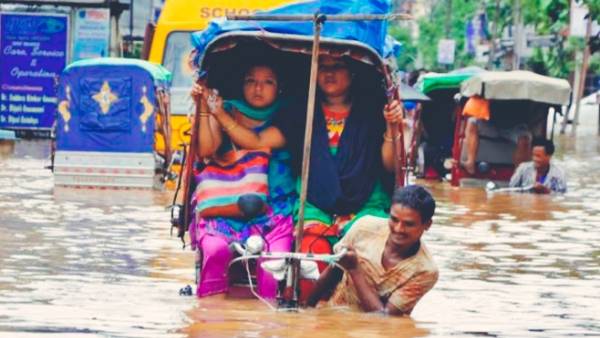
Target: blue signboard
(33, 53)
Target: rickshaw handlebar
(293, 255)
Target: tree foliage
(433, 28)
(406, 60)
(547, 17)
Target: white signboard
(578, 23)
(91, 33)
(446, 49)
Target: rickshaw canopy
(371, 33)
(109, 105)
(518, 85)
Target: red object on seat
(318, 245)
(431, 173)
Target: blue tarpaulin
(108, 105)
(372, 33)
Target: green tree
(433, 28)
(548, 17)
(552, 17)
(406, 60)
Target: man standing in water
(387, 267)
(540, 175)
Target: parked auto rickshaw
(515, 97)
(112, 115)
(287, 34)
(437, 119)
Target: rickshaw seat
(492, 149)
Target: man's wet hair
(418, 198)
(542, 142)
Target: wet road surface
(90, 263)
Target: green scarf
(261, 114)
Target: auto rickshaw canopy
(159, 73)
(109, 105)
(518, 85)
(452, 80)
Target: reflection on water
(98, 263)
(85, 262)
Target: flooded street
(91, 263)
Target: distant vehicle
(515, 96)
(437, 119)
(111, 112)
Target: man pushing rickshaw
(258, 134)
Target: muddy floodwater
(90, 263)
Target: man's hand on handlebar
(350, 260)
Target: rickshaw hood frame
(374, 59)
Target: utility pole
(448, 18)
(130, 42)
(583, 73)
(492, 55)
(448, 24)
(517, 34)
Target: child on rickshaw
(244, 124)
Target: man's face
(406, 226)
(540, 158)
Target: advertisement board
(91, 33)
(446, 49)
(33, 53)
(578, 21)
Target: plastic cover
(372, 33)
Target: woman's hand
(392, 112)
(214, 101)
(197, 93)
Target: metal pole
(115, 36)
(310, 114)
(448, 27)
(516, 34)
(563, 127)
(492, 55)
(333, 17)
(582, 75)
(130, 42)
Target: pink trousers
(216, 256)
